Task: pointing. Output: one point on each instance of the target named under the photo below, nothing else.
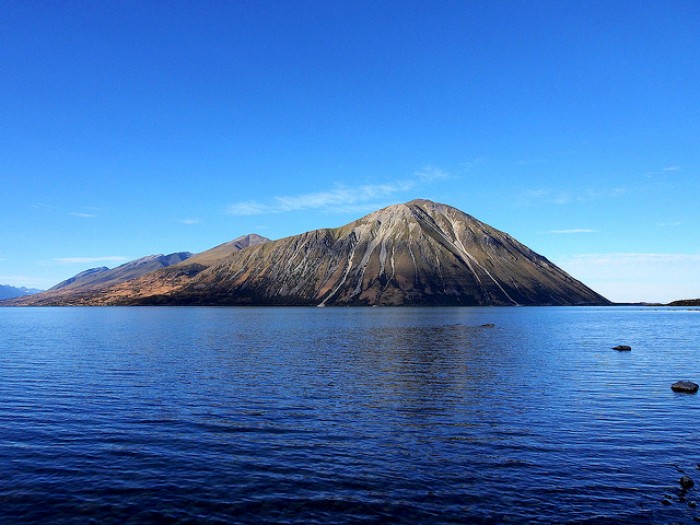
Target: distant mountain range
(8, 292)
(418, 253)
(88, 286)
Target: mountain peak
(416, 253)
(419, 252)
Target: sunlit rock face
(418, 253)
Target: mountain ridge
(10, 292)
(86, 286)
(102, 277)
(406, 254)
(416, 253)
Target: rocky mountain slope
(103, 277)
(418, 253)
(8, 292)
(94, 285)
(215, 254)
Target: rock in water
(685, 387)
(622, 348)
(686, 483)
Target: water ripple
(220, 415)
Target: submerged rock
(622, 348)
(686, 482)
(488, 325)
(685, 387)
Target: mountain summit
(417, 253)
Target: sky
(130, 128)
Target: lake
(348, 415)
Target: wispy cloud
(572, 231)
(663, 171)
(594, 195)
(43, 206)
(341, 198)
(635, 258)
(87, 212)
(532, 197)
(471, 164)
(249, 208)
(432, 174)
(526, 162)
(24, 280)
(190, 222)
(89, 260)
(539, 196)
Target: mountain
(95, 280)
(217, 253)
(8, 292)
(418, 253)
(100, 278)
(92, 286)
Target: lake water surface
(347, 415)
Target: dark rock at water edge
(685, 302)
(685, 387)
(622, 348)
(686, 482)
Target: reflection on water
(346, 415)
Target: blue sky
(133, 128)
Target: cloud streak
(666, 171)
(249, 208)
(573, 231)
(342, 198)
(83, 215)
(89, 260)
(23, 280)
(656, 258)
(432, 174)
(539, 196)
